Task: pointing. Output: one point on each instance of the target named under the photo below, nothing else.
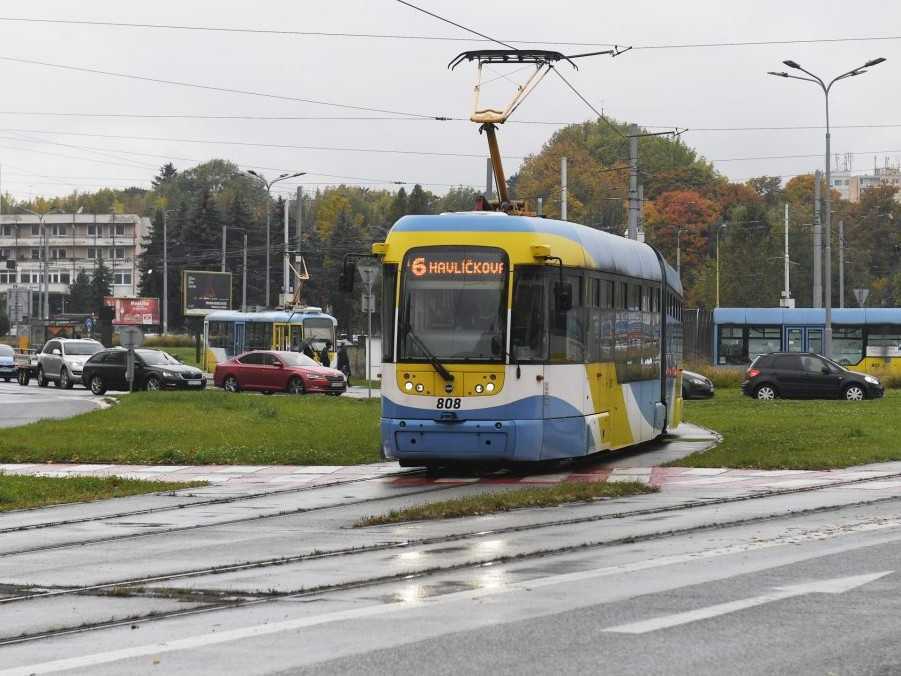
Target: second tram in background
(514, 338)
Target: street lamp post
(827, 263)
(44, 290)
(268, 185)
(678, 250)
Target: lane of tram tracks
(237, 598)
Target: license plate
(338, 385)
(195, 382)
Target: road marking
(837, 585)
(216, 638)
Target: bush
(720, 376)
(170, 341)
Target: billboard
(134, 311)
(204, 291)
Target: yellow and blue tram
(515, 338)
(228, 333)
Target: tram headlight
(408, 386)
(490, 387)
(420, 387)
(479, 388)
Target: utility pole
(817, 242)
(634, 204)
(841, 264)
(244, 277)
(286, 267)
(297, 258)
(165, 272)
(489, 178)
(224, 237)
(564, 195)
(787, 293)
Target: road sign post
(369, 273)
(130, 337)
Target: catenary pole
(841, 264)
(817, 240)
(564, 190)
(224, 239)
(633, 182)
(787, 293)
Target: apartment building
(75, 242)
(850, 186)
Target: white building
(75, 242)
(850, 187)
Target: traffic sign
(369, 270)
(368, 303)
(131, 337)
(861, 295)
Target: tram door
(280, 337)
(803, 339)
(239, 338)
(296, 342)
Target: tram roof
(804, 316)
(617, 254)
(272, 316)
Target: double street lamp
(860, 70)
(268, 185)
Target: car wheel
(231, 384)
(854, 393)
(765, 392)
(153, 384)
(65, 381)
(98, 387)
(42, 379)
(295, 386)
(23, 378)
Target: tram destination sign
(204, 291)
(457, 264)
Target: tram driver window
(847, 345)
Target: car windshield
(82, 349)
(454, 304)
(296, 359)
(6, 351)
(156, 358)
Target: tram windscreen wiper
(442, 370)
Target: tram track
(239, 598)
(198, 503)
(441, 539)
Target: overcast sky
(689, 87)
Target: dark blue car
(7, 363)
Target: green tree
(81, 294)
(421, 201)
(101, 286)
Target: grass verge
(212, 427)
(490, 503)
(786, 434)
(21, 492)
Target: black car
(804, 375)
(696, 386)
(154, 370)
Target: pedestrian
(344, 363)
(308, 351)
(324, 357)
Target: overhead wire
(227, 90)
(438, 38)
(454, 23)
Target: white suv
(62, 360)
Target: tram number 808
(448, 402)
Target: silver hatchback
(62, 360)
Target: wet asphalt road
(22, 405)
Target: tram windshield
(453, 305)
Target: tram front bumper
(461, 440)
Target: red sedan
(269, 371)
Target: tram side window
(763, 340)
(884, 341)
(567, 326)
(731, 345)
(847, 345)
(218, 334)
(528, 330)
(258, 336)
(389, 295)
